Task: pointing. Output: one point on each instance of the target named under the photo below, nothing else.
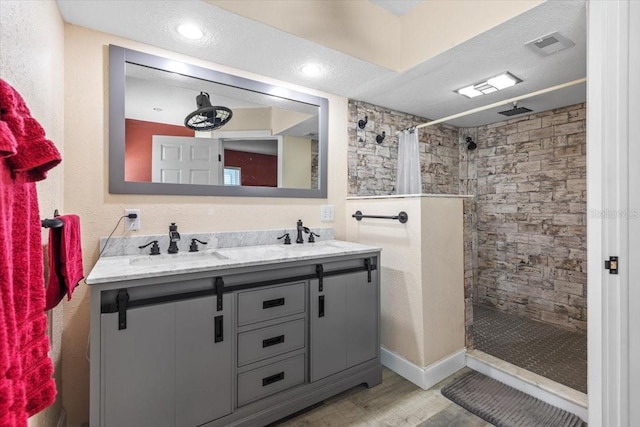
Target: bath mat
(504, 406)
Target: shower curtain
(408, 163)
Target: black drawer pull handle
(321, 306)
(272, 303)
(273, 341)
(218, 329)
(272, 379)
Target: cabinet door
(328, 338)
(362, 317)
(344, 323)
(203, 360)
(137, 368)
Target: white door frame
(613, 166)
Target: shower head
(470, 144)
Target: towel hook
(363, 123)
(53, 222)
(380, 138)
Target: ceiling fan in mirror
(207, 117)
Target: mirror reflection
(241, 137)
(181, 129)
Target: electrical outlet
(326, 213)
(132, 224)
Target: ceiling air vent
(549, 44)
(515, 110)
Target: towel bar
(402, 216)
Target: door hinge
(612, 265)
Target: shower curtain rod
(499, 103)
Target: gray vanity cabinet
(344, 322)
(242, 346)
(166, 368)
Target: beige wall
(32, 61)
(282, 119)
(422, 304)
(367, 31)
(401, 326)
(435, 26)
(86, 188)
(296, 162)
(249, 119)
(357, 28)
(442, 277)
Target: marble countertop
(129, 267)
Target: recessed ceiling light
(493, 84)
(190, 31)
(311, 70)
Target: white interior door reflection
(186, 160)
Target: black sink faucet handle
(155, 249)
(286, 237)
(193, 247)
(311, 238)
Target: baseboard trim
(527, 382)
(424, 377)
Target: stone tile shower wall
(529, 175)
(373, 166)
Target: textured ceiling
(425, 90)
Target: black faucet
(301, 228)
(174, 236)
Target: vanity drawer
(270, 379)
(271, 303)
(266, 342)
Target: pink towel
(26, 385)
(65, 260)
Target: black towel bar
(402, 216)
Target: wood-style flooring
(394, 403)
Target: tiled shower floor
(544, 349)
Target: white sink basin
(179, 257)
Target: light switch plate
(132, 224)
(327, 213)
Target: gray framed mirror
(274, 145)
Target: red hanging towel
(26, 385)
(65, 260)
